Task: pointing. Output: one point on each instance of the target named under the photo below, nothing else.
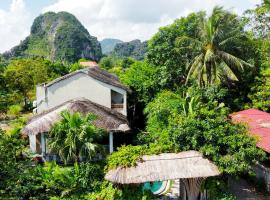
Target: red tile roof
(258, 123)
(88, 63)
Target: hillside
(58, 36)
(108, 44)
(135, 49)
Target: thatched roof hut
(167, 166)
(107, 119)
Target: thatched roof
(106, 118)
(168, 166)
(96, 73)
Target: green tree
(142, 78)
(11, 160)
(22, 75)
(260, 92)
(108, 62)
(75, 137)
(259, 25)
(259, 19)
(162, 50)
(214, 60)
(52, 180)
(207, 129)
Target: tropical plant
(214, 60)
(108, 191)
(75, 137)
(12, 162)
(260, 92)
(163, 53)
(207, 129)
(52, 180)
(127, 156)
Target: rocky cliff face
(58, 36)
(134, 48)
(108, 44)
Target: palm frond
(196, 62)
(180, 40)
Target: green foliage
(14, 110)
(20, 77)
(75, 137)
(259, 19)
(23, 75)
(194, 44)
(109, 192)
(108, 62)
(215, 59)
(260, 92)
(127, 156)
(162, 49)
(106, 192)
(207, 129)
(11, 160)
(55, 181)
(116, 65)
(75, 66)
(142, 78)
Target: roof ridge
(96, 73)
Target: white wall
(76, 86)
(41, 98)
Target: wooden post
(111, 142)
(33, 143)
(43, 144)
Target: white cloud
(15, 25)
(130, 19)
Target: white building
(87, 90)
(91, 83)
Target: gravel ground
(244, 191)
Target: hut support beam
(111, 141)
(33, 143)
(191, 188)
(43, 144)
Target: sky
(121, 19)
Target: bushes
(207, 129)
(52, 180)
(12, 162)
(14, 110)
(260, 92)
(127, 192)
(127, 156)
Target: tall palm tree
(213, 62)
(75, 137)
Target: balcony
(117, 107)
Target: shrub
(14, 110)
(130, 192)
(127, 156)
(52, 180)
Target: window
(117, 101)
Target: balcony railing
(117, 106)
